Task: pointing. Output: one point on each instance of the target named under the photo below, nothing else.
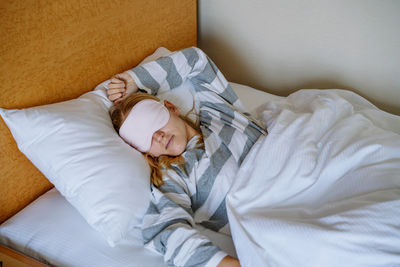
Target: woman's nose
(158, 136)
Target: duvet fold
(323, 188)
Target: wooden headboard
(55, 50)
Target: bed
(61, 50)
(62, 53)
(42, 239)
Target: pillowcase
(74, 144)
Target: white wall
(284, 45)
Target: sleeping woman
(192, 164)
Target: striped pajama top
(195, 192)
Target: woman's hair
(120, 111)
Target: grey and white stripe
(195, 192)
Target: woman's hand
(120, 86)
(229, 261)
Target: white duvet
(323, 188)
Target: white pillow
(74, 144)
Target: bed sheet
(52, 231)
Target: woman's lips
(169, 142)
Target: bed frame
(54, 50)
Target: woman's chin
(179, 150)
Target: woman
(192, 167)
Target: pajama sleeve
(167, 228)
(167, 73)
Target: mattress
(52, 231)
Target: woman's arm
(168, 229)
(169, 72)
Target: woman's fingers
(116, 91)
(114, 97)
(124, 76)
(120, 86)
(114, 79)
(116, 85)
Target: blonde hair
(120, 111)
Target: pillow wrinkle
(72, 144)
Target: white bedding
(285, 217)
(51, 230)
(323, 188)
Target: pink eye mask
(145, 118)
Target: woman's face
(171, 140)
